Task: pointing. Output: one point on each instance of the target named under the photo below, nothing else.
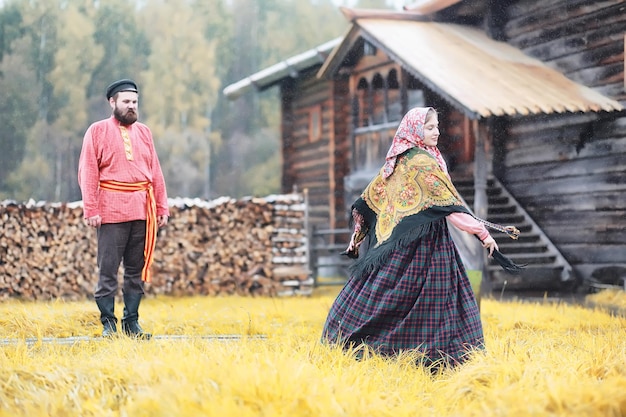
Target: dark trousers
(117, 243)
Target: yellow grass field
(541, 360)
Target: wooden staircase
(546, 268)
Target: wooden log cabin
(531, 97)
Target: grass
(541, 360)
(614, 300)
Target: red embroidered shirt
(103, 157)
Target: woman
(410, 290)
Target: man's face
(125, 107)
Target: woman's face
(431, 130)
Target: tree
(17, 104)
(58, 56)
(75, 44)
(182, 88)
(35, 53)
(126, 50)
(264, 33)
(18, 113)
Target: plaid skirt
(419, 299)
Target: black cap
(121, 85)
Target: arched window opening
(364, 103)
(394, 99)
(379, 100)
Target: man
(125, 199)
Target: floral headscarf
(410, 134)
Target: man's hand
(94, 221)
(162, 221)
(490, 243)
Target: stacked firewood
(45, 252)
(253, 246)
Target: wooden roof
(289, 67)
(478, 75)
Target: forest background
(58, 56)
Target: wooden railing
(328, 266)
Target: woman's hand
(490, 243)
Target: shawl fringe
(374, 258)
(410, 228)
(508, 265)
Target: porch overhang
(479, 76)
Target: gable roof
(274, 74)
(476, 74)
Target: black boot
(130, 321)
(107, 315)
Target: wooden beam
(332, 165)
(429, 6)
(480, 195)
(355, 14)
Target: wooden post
(481, 169)
(310, 240)
(404, 93)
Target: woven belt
(151, 218)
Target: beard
(127, 118)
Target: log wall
(316, 163)
(569, 171)
(254, 246)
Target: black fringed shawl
(403, 207)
